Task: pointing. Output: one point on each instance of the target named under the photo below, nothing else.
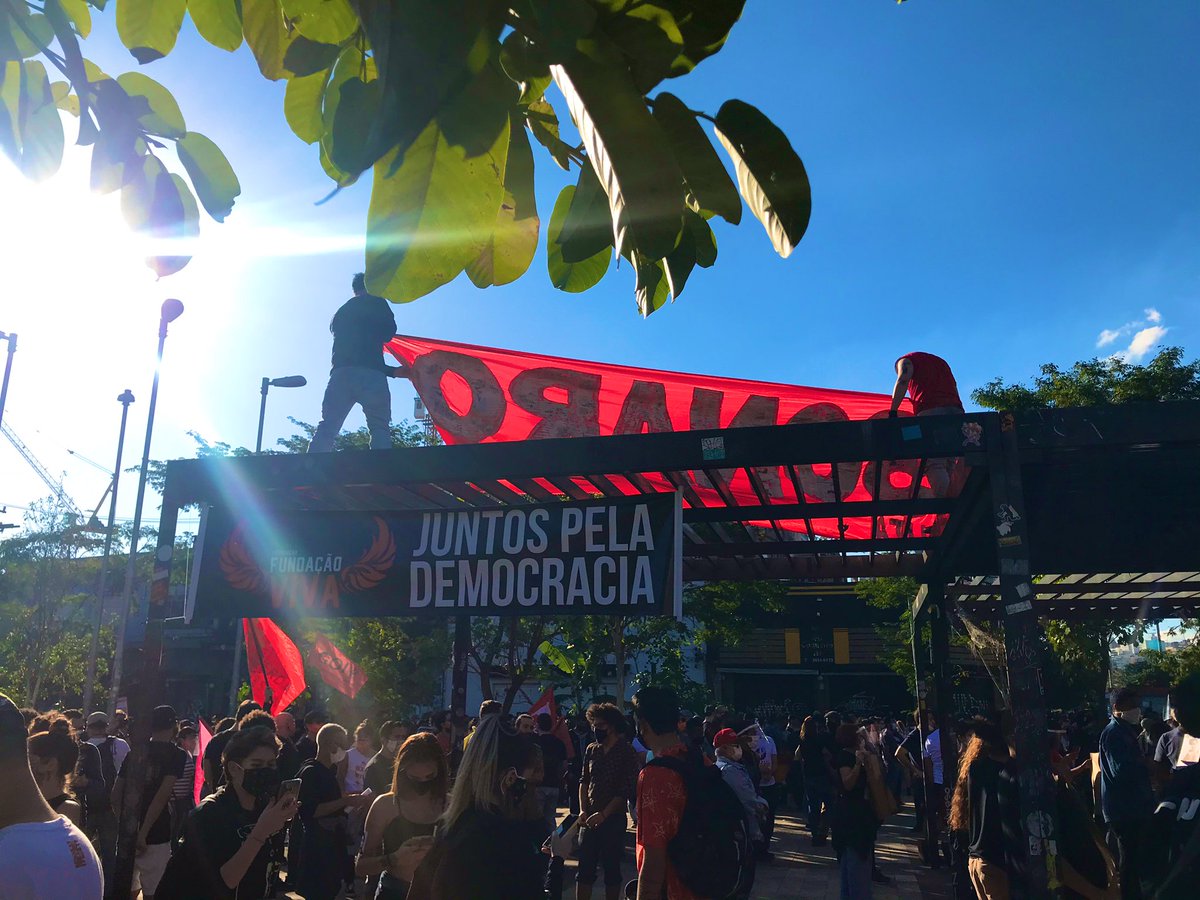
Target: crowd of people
(449, 808)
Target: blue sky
(998, 183)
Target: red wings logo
(307, 582)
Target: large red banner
(476, 394)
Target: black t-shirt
(554, 758)
(307, 748)
(854, 823)
(1175, 824)
(995, 810)
(212, 754)
(215, 831)
(484, 856)
(318, 785)
(289, 761)
(360, 329)
(812, 752)
(378, 774)
(164, 759)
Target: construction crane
(56, 487)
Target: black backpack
(108, 768)
(711, 852)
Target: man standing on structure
(930, 384)
(360, 328)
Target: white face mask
(736, 755)
(1132, 716)
(337, 756)
(391, 747)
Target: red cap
(724, 737)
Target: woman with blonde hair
(488, 843)
(986, 809)
(400, 824)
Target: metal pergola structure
(1103, 490)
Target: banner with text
(482, 394)
(605, 556)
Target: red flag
(335, 668)
(545, 704)
(204, 737)
(274, 662)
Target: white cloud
(1107, 336)
(1153, 316)
(1143, 335)
(1143, 342)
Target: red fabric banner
(204, 736)
(547, 704)
(482, 394)
(274, 662)
(335, 668)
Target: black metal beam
(711, 568)
(1083, 587)
(1126, 424)
(806, 548)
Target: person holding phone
(232, 843)
(399, 828)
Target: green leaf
(267, 34)
(218, 21)
(653, 286)
(79, 14)
(571, 277)
(159, 205)
(15, 42)
(769, 172)
(702, 238)
(149, 28)
(559, 24)
(31, 131)
(711, 187)
(544, 124)
(73, 63)
(650, 40)
(521, 60)
(324, 21)
(510, 249)
(211, 174)
(307, 57)
(164, 117)
(679, 263)
(705, 28)
(436, 202)
(357, 106)
(627, 149)
(587, 228)
(557, 658)
(302, 106)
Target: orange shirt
(660, 800)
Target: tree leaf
(513, 242)
(557, 658)
(678, 264)
(31, 131)
(544, 124)
(307, 57)
(769, 172)
(627, 149)
(149, 28)
(705, 28)
(711, 187)
(650, 40)
(218, 21)
(587, 228)
(164, 117)
(22, 35)
(79, 14)
(73, 63)
(559, 24)
(211, 174)
(160, 206)
(324, 21)
(268, 36)
(653, 288)
(302, 105)
(357, 106)
(436, 201)
(702, 237)
(571, 277)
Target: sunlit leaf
(710, 185)
(544, 125)
(567, 276)
(267, 34)
(705, 28)
(769, 172)
(357, 106)
(653, 287)
(79, 14)
(307, 57)
(159, 205)
(31, 131)
(164, 117)
(324, 21)
(218, 21)
(557, 658)
(513, 242)
(211, 174)
(22, 34)
(302, 106)
(587, 228)
(649, 39)
(149, 28)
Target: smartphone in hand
(290, 786)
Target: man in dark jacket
(1126, 798)
(360, 328)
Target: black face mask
(516, 791)
(262, 784)
(601, 735)
(412, 787)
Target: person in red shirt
(931, 386)
(661, 796)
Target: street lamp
(171, 310)
(12, 348)
(288, 381)
(89, 684)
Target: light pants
(347, 386)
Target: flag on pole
(335, 668)
(545, 704)
(201, 743)
(275, 663)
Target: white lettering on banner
(420, 572)
(641, 529)
(511, 531)
(536, 519)
(572, 524)
(302, 565)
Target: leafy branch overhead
(438, 99)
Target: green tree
(437, 99)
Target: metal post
(939, 651)
(262, 414)
(462, 650)
(1022, 644)
(12, 348)
(90, 682)
(927, 701)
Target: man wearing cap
(728, 748)
(165, 762)
(41, 854)
(101, 819)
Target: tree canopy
(437, 100)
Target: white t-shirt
(933, 751)
(766, 754)
(120, 749)
(356, 766)
(45, 860)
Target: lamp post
(288, 381)
(12, 348)
(171, 310)
(89, 684)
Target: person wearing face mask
(610, 771)
(401, 820)
(378, 774)
(729, 753)
(232, 843)
(1126, 797)
(488, 842)
(322, 814)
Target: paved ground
(800, 870)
